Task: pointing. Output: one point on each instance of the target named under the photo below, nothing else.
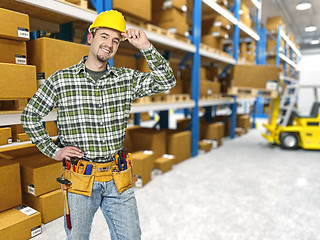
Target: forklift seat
(315, 110)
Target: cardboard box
(183, 124)
(142, 166)
(221, 129)
(17, 81)
(45, 54)
(50, 205)
(209, 131)
(16, 224)
(253, 76)
(273, 23)
(243, 121)
(13, 51)
(10, 187)
(163, 4)
(149, 139)
(20, 137)
(39, 173)
(220, 21)
(172, 19)
(139, 9)
(214, 42)
(164, 163)
(5, 136)
(126, 58)
(179, 145)
(14, 25)
(205, 145)
(51, 128)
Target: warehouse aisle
(244, 190)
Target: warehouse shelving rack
(194, 48)
(283, 55)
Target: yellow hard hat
(110, 19)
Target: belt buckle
(103, 169)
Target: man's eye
(115, 42)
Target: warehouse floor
(246, 189)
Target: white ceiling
(294, 20)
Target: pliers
(120, 158)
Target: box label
(26, 210)
(21, 59)
(35, 231)
(31, 189)
(23, 32)
(41, 76)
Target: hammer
(65, 199)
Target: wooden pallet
(170, 98)
(83, 4)
(212, 97)
(272, 94)
(214, 50)
(143, 100)
(243, 92)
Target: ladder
(288, 100)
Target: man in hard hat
(93, 103)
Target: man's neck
(95, 65)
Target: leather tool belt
(82, 174)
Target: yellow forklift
(285, 126)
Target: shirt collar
(81, 67)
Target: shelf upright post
(285, 64)
(261, 47)
(236, 32)
(258, 29)
(233, 117)
(278, 46)
(196, 36)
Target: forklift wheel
(289, 140)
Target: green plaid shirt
(93, 115)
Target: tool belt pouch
(123, 179)
(80, 183)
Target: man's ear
(89, 37)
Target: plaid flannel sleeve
(160, 78)
(39, 106)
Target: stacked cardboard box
(18, 133)
(245, 15)
(16, 222)
(171, 15)
(209, 84)
(141, 9)
(214, 32)
(45, 54)
(243, 121)
(17, 79)
(5, 136)
(39, 185)
(10, 187)
(247, 51)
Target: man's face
(105, 43)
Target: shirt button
(100, 105)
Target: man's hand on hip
(68, 152)
(137, 38)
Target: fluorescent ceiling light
(315, 41)
(311, 28)
(303, 5)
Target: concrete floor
(246, 189)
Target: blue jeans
(120, 212)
